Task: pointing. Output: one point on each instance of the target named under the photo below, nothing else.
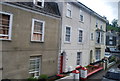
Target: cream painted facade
(70, 49)
(93, 44)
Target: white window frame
(78, 61)
(10, 26)
(97, 54)
(69, 8)
(70, 34)
(81, 14)
(33, 20)
(79, 35)
(36, 58)
(35, 2)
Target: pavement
(99, 75)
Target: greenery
(110, 27)
(111, 59)
(32, 79)
(89, 66)
(115, 22)
(43, 76)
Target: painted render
(71, 49)
(17, 51)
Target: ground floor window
(79, 57)
(34, 69)
(98, 52)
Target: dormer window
(39, 3)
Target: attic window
(39, 3)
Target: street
(99, 75)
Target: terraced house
(29, 38)
(83, 36)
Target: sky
(107, 8)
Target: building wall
(16, 52)
(114, 40)
(88, 27)
(73, 47)
(93, 45)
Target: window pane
(69, 10)
(67, 38)
(38, 27)
(34, 66)
(4, 26)
(98, 52)
(69, 13)
(38, 31)
(80, 35)
(81, 17)
(78, 58)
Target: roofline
(79, 4)
(26, 7)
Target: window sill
(69, 17)
(99, 43)
(81, 21)
(80, 43)
(66, 42)
(5, 40)
(37, 41)
(92, 39)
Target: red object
(75, 71)
(79, 67)
(83, 79)
(61, 64)
(83, 68)
(60, 75)
(95, 71)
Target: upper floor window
(39, 3)
(102, 37)
(99, 37)
(81, 16)
(68, 34)
(80, 38)
(5, 26)
(101, 27)
(92, 36)
(69, 10)
(37, 30)
(96, 23)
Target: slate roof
(50, 8)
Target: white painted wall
(73, 47)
